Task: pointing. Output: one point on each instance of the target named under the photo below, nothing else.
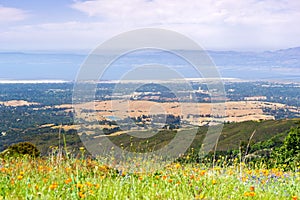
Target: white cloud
(215, 24)
(63, 35)
(230, 12)
(8, 14)
(247, 24)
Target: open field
(195, 113)
(16, 103)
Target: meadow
(84, 178)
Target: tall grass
(84, 178)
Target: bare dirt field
(16, 103)
(195, 113)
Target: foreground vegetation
(25, 175)
(53, 178)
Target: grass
(78, 178)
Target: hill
(230, 139)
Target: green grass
(51, 178)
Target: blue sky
(214, 24)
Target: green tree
(289, 152)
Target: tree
(289, 152)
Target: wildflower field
(50, 178)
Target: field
(58, 178)
(234, 111)
(193, 113)
(16, 103)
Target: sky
(74, 25)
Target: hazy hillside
(289, 58)
(281, 64)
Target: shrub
(289, 152)
(22, 148)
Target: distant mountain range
(276, 65)
(281, 58)
(269, 65)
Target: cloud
(214, 24)
(142, 12)
(56, 36)
(229, 12)
(8, 14)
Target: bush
(289, 152)
(20, 149)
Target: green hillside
(232, 136)
(234, 133)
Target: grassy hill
(232, 135)
(230, 139)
